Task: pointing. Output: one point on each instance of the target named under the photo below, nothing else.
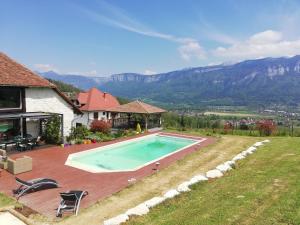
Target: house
(94, 104)
(27, 100)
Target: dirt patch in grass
(195, 163)
(25, 211)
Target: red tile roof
(96, 100)
(137, 107)
(14, 74)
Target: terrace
(50, 163)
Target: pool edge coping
(86, 168)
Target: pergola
(30, 115)
(138, 108)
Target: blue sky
(106, 37)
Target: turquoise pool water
(128, 155)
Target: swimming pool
(129, 155)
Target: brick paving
(50, 163)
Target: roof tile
(14, 74)
(96, 100)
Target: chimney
(104, 94)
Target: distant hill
(64, 87)
(253, 82)
(71, 91)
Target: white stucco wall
(88, 117)
(83, 119)
(47, 100)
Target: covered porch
(15, 127)
(127, 116)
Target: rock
(184, 187)
(139, 210)
(122, 218)
(238, 157)
(245, 153)
(230, 163)
(266, 141)
(223, 167)
(249, 152)
(154, 201)
(251, 149)
(197, 179)
(257, 144)
(214, 174)
(171, 193)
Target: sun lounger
(33, 185)
(70, 202)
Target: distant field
(238, 114)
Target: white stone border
(219, 171)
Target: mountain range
(257, 82)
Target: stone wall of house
(47, 100)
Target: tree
(228, 126)
(266, 127)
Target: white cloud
(149, 72)
(264, 44)
(44, 67)
(91, 73)
(87, 73)
(266, 37)
(191, 49)
(112, 16)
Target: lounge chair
(70, 202)
(33, 185)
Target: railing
(125, 123)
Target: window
(10, 98)
(78, 124)
(103, 113)
(96, 115)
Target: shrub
(52, 133)
(100, 126)
(78, 133)
(78, 141)
(228, 127)
(138, 128)
(119, 133)
(266, 127)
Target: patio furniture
(3, 159)
(3, 165)
(70, 202)
(32, 142)
(20, 165)
(33, 185)
(7, 142)
(2, 153)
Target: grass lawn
(264, 189)
(157, 184)
(6, 201)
